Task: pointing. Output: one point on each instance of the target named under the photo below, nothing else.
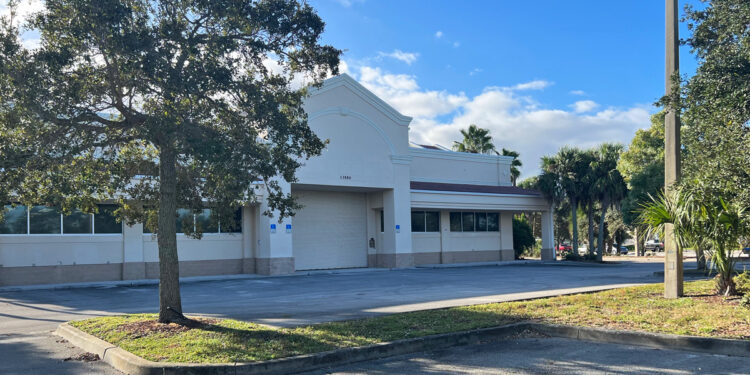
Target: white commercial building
(372, 199)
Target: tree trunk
(637, 242)
(700, 257)
(590, 215)
(574, 218)
(170, 304)
(600, 253)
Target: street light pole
(672, 258)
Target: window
(425, 221)
(455, 221)
(467, 219)
(234, 227)
(475, 221)
(49, 220)
(105, 221)
(14, 220)
(206, 221)
(432, 219)
(382, 222)
(481, 221)
(493, 222)
(44, 220)
(185, 217)
(77, 222)
(417, 221)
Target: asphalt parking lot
(28, 317)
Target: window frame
(424, 220)
(92, 217)
(460, 215)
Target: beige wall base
(506, 255)
(248, 265)
(274, 266)
(394, 260)
(133, 270)
(463, 257)
(77, 273)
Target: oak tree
(159, 105)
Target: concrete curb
(131, 364)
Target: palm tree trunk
(170, 304)
(605, 206)
(700, 257)
(590, 215)
(574, 218)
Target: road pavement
(549, 356)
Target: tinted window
(493, 222)
(467, 219)
(105, 221)
(184, 218)
(44, 220)
(432, 221)
(14, 220)
(77, 223)
(481, 221)
(417, 221)
(382, 222)
(236, 226)
(455, 221)
(207, 222)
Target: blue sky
(539, 74)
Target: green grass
(636, 308)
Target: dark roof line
(466, 188)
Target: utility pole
(672, 258)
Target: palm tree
(694, 216)
(476, 141)
(609, 185)
(514, 165)
(564, 174)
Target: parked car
(563, 247)
(623, 250)
(654, 245)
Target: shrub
(742, 283)
(523, 238)
(745, 301)
(574, 256)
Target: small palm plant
(700, 220)
(726, 224)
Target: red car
(563, 247)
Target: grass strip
(225, 340)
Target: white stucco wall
(54, 250)
(459, 167)
(211, 246)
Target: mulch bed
(149, 327)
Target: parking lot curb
(131, 364)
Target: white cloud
(532, 85)
(582, 106)
(515, 118)
(475, 71)
(407, 57)
(24, 9)
(456, 44)
(578, 92)
(403, 92)
(438, 34)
